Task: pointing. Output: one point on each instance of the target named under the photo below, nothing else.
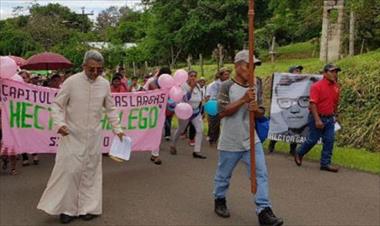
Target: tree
(63, 14)
(367, 22)
(108, 18)
(16, 42)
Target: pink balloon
(183, 111)
(17, 77)
(8, 67)
(180, 77)
(166, 81)
(176, 93)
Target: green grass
(352, 158)
(294, 51)
(305, 48)
(347, 157)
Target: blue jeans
(226, 164)
(327, 134)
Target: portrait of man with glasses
(290, 107)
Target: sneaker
(221, 208)
(267, 218)
(192, 142)
(167, 138)
(198, 156)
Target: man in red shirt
(324, 99)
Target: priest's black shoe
(198, 156)
(88, 217)
(267, 218)
(221, 208)
(65, 219)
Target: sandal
(156, 160)
(13, 172)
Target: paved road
(179, 192)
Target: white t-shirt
(196, 96)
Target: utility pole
(83, 16)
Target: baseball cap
(293, 68)
(202, 78)
(331, 67)
(243, 55)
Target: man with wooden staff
(235, 101)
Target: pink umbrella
(47, 61)
(19, 60)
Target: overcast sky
(95, 6)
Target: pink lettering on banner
(27, 125)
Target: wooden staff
(251, 82)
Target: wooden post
(272, 53)
(362, 47)
(146, 68)
(221, 55)
(189, 58)
(201, 64)
(252, 81)
(134, 69)
(351, 50)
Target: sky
(95, 6)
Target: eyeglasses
(286, 103)
(95, 69)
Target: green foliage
(66, 17)
(360, 159)
(73, 49)
(178, 28)
(16, 42)
(367, 22)
(168, 31)
(360, 102)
